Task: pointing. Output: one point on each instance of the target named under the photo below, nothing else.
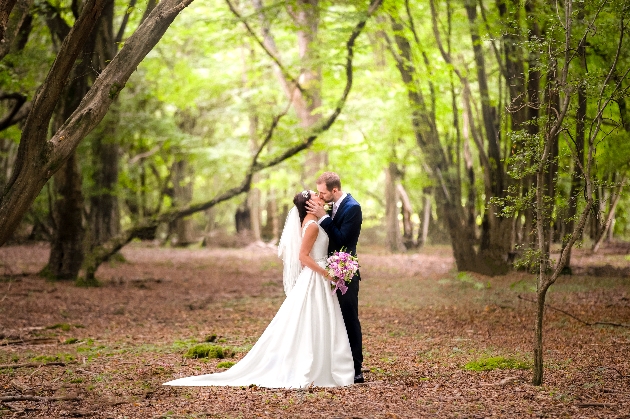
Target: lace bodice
(319, 252)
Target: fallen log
(35, 365)
(20, 398)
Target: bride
(306, 343)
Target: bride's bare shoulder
(308, 218)
(309, 221)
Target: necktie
(334, 210)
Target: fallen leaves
(421, 325)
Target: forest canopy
(444, 119)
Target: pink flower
(342, 266)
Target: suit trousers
(349, 304)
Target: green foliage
(62, 326)
(208, 351)
(497, 362)
(207, 93)
(467, 278)
(226, 364)
(61, 357)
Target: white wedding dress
(305, 344)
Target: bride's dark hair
(300, 203)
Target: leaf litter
(422, 324)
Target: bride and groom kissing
(315, 337)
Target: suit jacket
(343, 231)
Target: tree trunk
(67, 246)
(6, 6)
(242, 220)
(101, 253)
(253, 196)
(104, 211)
(538, 337)
(253, 201)
(182, 228)
(406, 211)
(426, 219)
(577, 173)
(550, 179)
(14, 26)
(306, 99)
(67, 252)
(307, 19)
(609, 218)
(471, 203)
(533, 106)
(271, 230)
(394, 241)
(496, 237)
(38, 159)
(448, 189)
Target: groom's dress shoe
(359, 379)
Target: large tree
(39, 156)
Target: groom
(343, 227)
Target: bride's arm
(310, 235)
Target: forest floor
(423, 325)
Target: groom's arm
(349, 229)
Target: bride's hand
(315, 207)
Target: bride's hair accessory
(306, 193)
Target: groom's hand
(315, 208)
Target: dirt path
(422, 324)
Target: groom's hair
(300, 203)
(330, 179)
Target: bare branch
(497, 54)
(123, 24)
(135, 159)
(39, 159)
(271, 54)
(436, 32)
(7, 399)
(101, 253)
(9, 119)
(575, 317)
(34, 365)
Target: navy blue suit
(343, 233)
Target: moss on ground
(497, 362)
(205, 350)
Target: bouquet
(342, 266)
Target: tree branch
(39, 159)
(575, 317)
(123, 24)
(10, 119)
(497, 54)
(33, 365)
(101, 253)
(272, 54)
(7, 399)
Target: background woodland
(499, 128)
